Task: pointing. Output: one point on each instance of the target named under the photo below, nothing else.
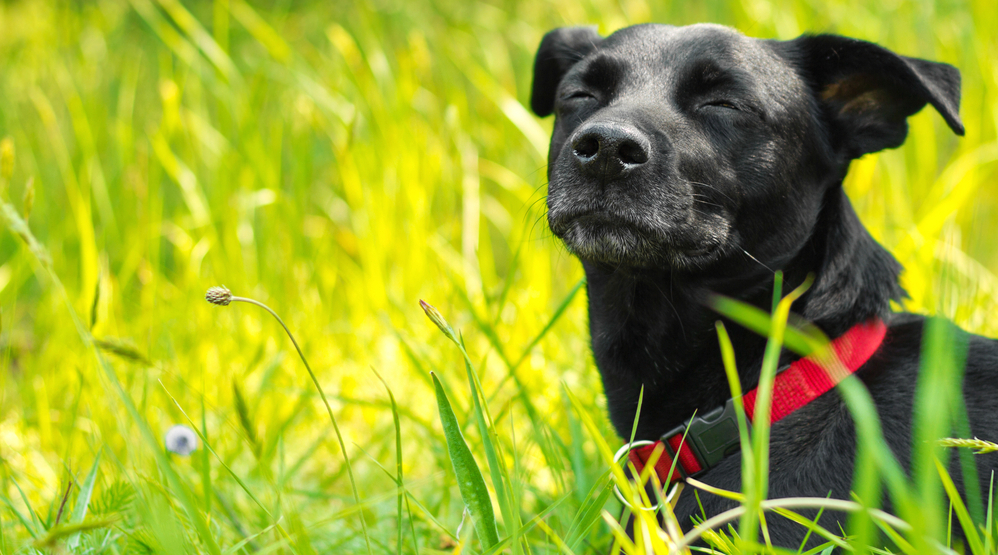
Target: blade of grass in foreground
(969, 529)
(853, 392)
(756, 487)
(589, 513)
(82, 500)
(469, 478)
(495, 458)
(731, 371)
(398, 469)
(939, 376)
(486, 425)
(33, 526)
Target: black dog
(693, 160)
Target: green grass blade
(206, 484)
(398, 466)
(469, 477)
(802, 342)
(261, 31)
(238, 547)
(36, 523)
(551, 322)
(989, 528)
(3, 540)
(199, 37)
(82, 501)
(14, 221)
(969, 528)
(588, 514)
(968, 466)
(486, 426)
(940, 373)
(535, 521)
(735, 385)
(854, 393)
(580, 471)
(493, 455)
(756, 487)
(208, 448)
(30, 524)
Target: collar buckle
(712, 436)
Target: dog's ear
(869, 91)
(559, 51)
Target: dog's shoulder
(905, 343)
(892, 374)
(982, 354)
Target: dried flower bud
(434, 315)
(6, 158)
(218, 295)
(181, 440)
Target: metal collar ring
(622, 454)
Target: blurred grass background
(339, 161)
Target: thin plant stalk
(790, 503)
(222, 297)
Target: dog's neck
(653, 328)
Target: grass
(339, 162)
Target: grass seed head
(981, 446)
(219, 295)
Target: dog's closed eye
(577, 95)
(721, 104)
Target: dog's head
(686, 148)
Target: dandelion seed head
(181, 440)
(218, 295)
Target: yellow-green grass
(340, 161)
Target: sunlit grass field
(340, 161)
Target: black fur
(693, 160)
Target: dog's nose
(608, 150)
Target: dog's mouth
(617, 240)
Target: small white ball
(181, 440)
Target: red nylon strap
(687, 459)
(804, 381)
(686, 456)
(807, 379)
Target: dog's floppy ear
(559, 50)
(868, 91)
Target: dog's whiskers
(748, 254)
(712, 188)
(700, 198)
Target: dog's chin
(621, 244)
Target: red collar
(714, 435)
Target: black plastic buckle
(712, 436)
